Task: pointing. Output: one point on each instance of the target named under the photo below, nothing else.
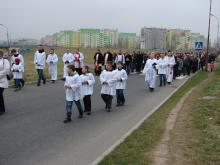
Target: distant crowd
(112, 68)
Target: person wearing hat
(40, 61)
(15, 54)
(121, 78)
(4, 71)
(17, 70)
(52, 61)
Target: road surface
(32, 131)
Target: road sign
(198, 45)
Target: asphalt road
(32, 131)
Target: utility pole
(207, 51)
(7, 38)
(217, 29)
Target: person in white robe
(16, 54)
(88, 81)
(73, 90)
(150, 72)
(162, 69)
(78, 61)
(120, 57)
(17, 70)
(4, 71)
(108, 90)
(171, 62)
(40, 61)
(67, 60)
(121, 78)
(52, 61)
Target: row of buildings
(150, 38)
(92, 38)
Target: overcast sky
(36, 18)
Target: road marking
(111, 148)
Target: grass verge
(136, 148)
(205, 124)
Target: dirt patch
(172, 149)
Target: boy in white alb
(15, 54)
(73, 91)
(67, 60)
(40, 61)
(87, 88)
(52, 61)
(17, 70)
(108, 90)
(121, 78)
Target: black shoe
(80, 116)
(44, 81)
(118, 104)
(123, 103)
(2, 113)
(38, 85)
(64, 79)
(22, 83)
(108, 110)
(88, 113)
(53, 81)
(67, 120)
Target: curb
(111, 148)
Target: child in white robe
(108, 90)
(17, 70)
(121, 78)
(87, 88)
(73, 91)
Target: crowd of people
(112, 68)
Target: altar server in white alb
(52, 61)
(162, 69)
(150, 72)
(67, 60)
(171, 62)
(87, 88)
(17, 70)
(108, 90)
(120, 57)
(15, 54)
(121, 78)
(40, 61)
(73, 89)
(78, 61)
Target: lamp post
(217, 28)
(207, 51)
(7, 37)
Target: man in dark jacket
(98, 61)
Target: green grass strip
(135, 149)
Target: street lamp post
(7, 37)
(207, 52)
(217, 29)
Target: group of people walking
(112, 68)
